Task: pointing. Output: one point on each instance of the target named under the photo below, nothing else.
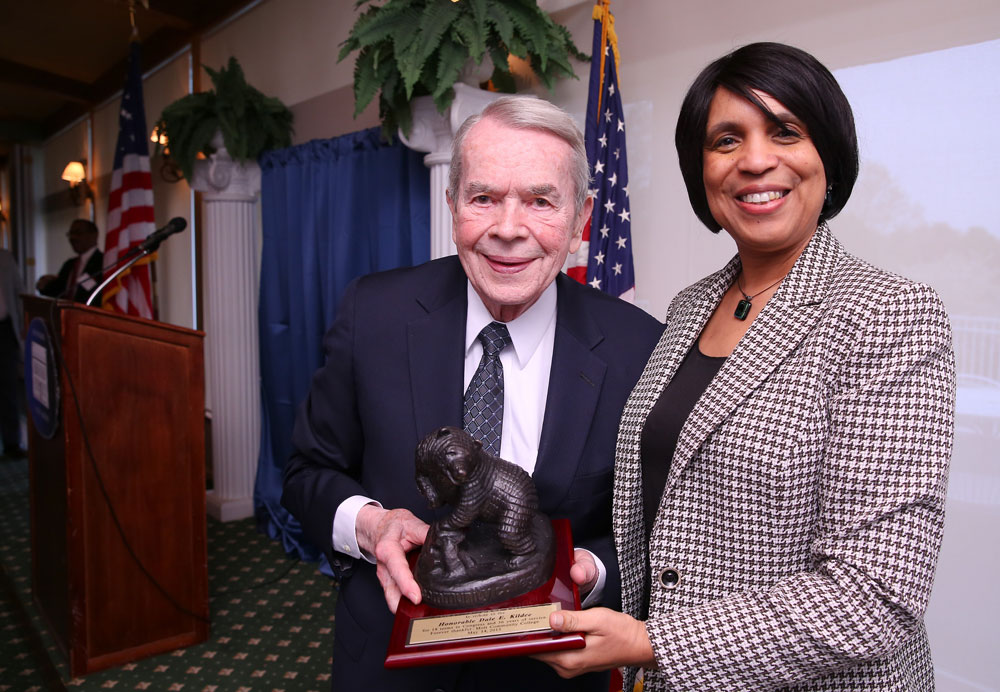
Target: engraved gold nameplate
(477, 625)
(423, 635)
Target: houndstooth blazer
(800, 524)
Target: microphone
(152, 242)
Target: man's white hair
(525, 113)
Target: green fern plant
(250, 122)
(409, 48)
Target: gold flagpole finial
(602, 13)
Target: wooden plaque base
(423, 635)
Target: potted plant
(409, 48)
(250, 123)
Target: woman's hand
(612, 639)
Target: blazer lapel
(575, 382)
(788, 316)
(436, 353)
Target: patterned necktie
(484, 397)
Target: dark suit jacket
(94, 268)
(393, 373)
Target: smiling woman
(763, 177)
(778, 514)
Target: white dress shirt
(85, 281)
(527, 363)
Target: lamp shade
(74, 172)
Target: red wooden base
(559, 589)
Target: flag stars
(617, 269)
(598, 167)
(613, 179)
(125, 114)
(603, 140)
(621, 124)
(604, 231)
(592, 193)
(618, 153)
(625, 190)
(596, 283)
(607, 116)
(599, 258)
(621, 242)
(610, 206)
(624, 216)
(611, 90)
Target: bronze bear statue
(495, 544)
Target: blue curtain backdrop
(332, 210)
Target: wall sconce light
(75, 174)
(169, 170)
(157, 137)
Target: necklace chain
(739, 284)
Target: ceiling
(60, 58)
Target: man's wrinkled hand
(389, 534)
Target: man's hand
(389, 535)
(584, 571)
(612, 639)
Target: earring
(829, 194)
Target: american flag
(604, 260)
(130, 207)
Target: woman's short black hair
(803, 85)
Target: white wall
(664, 45)
(287, 48)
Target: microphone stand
(142, 253)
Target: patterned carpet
(272, 618)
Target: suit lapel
(788, 316)
(685, 321)
(436, 353)
(575, 382)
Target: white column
(232, 362)
(432, 132)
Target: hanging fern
(408, 48)
(250, 122)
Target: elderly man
(81, 274)
(406, 352)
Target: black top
(663, 426)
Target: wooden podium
(132, 391)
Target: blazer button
(669, 578)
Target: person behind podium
(782, 463)
(81, 274)
(403, 351)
